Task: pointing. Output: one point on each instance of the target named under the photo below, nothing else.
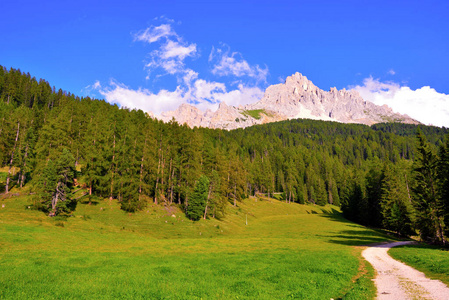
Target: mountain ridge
(297, 98)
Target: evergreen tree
(374, 181)
(443, 175)
(55, 183)
(353, 202)
(198, 199)
(429, 209)
(395, 203)
(27, 156)
(126, 155)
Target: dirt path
(396, 280)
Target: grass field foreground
(431, 260)
(263, 249)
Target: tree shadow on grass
(360, 236)
(337, 216)
(422, 245)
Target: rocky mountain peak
(298, 97)
(300, 83)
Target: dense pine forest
(54, 144)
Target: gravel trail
(396, 280)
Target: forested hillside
(54, 143)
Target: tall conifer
(429, 209)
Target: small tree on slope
(198, 199)
(55, 183)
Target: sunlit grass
(284, 251)
(431, 260)
(255, 113)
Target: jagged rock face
(298, 97)
(226, 116)
(189, 115)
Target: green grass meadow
(431, 260)
(286, 251)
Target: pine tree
(443, 175)
(352, 202)
(374, 180)
(27, 156)
(395, 204)
(429, 209)
(55, 183)
(11, 161)
(198, 199)
(214, 202)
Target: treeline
(60, 142)
(407, 197)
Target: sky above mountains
(155, 55)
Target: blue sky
(155, 55)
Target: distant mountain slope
(297, 98)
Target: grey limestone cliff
(297, 98)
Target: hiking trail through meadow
(396, 280)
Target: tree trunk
(408, 191)
(235, 195)
(207, 201)
(141, 175)
(157, 174)
(12, 159)
(112, 169)
(22, 180)
(1, 127)
(439, 228)
(172, 185)
(162, 169)
(179, 185)
(169, 182)
(55, 200)
(141, 168)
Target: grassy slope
(255, 113)
(431, 260)
(285, 251)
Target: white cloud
(201, 93)
(391, 72)
(212, 53)
(243, 95)
(173, 49)
(207, 95)
(189, 76)
(155, 33)
(206, 90)
(97, 85)
(90, 88)
(169, 56)
(171, 66)
(424, 104)
(163, 18)
(143, 99)
(232, 63)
